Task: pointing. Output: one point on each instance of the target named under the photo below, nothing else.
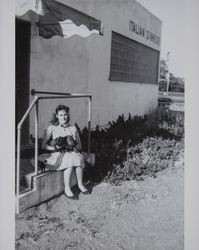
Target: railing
(35, 102)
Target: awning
(23, 6)
(58, 19)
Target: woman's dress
(62, 160)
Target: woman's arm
(78, 141)
(46, 138)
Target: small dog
(42, 166)
(66, 143)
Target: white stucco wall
(82, 65)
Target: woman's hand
(57, 148)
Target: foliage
(163, 69)
(114, 145)
(152, 155)
(176, 84)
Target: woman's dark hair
(55, 120)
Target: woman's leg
(79, 174)
(67, 176)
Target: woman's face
(63, 117)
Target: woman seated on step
(63, 143)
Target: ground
(137, 215)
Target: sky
(171, 13)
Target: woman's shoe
(86, 192)
(73, 197)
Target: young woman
(68, 160)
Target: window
(132, 61)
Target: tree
(176, 84)
(163, 69)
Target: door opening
(22, 74)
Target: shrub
(155, 135)
(152, 155)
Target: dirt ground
(137, 215)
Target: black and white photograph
(99, 125)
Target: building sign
(141, 31)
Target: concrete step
(35, 189)
(25, 169)
(44, 187)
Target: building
(120, 68)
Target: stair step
(25, 169)
(45, 186)
(35, 189)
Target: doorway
(22, 75)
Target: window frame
(121, 62)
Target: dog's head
(71, 141)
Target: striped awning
(56, 18)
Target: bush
(154, 134)
(152, 155)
